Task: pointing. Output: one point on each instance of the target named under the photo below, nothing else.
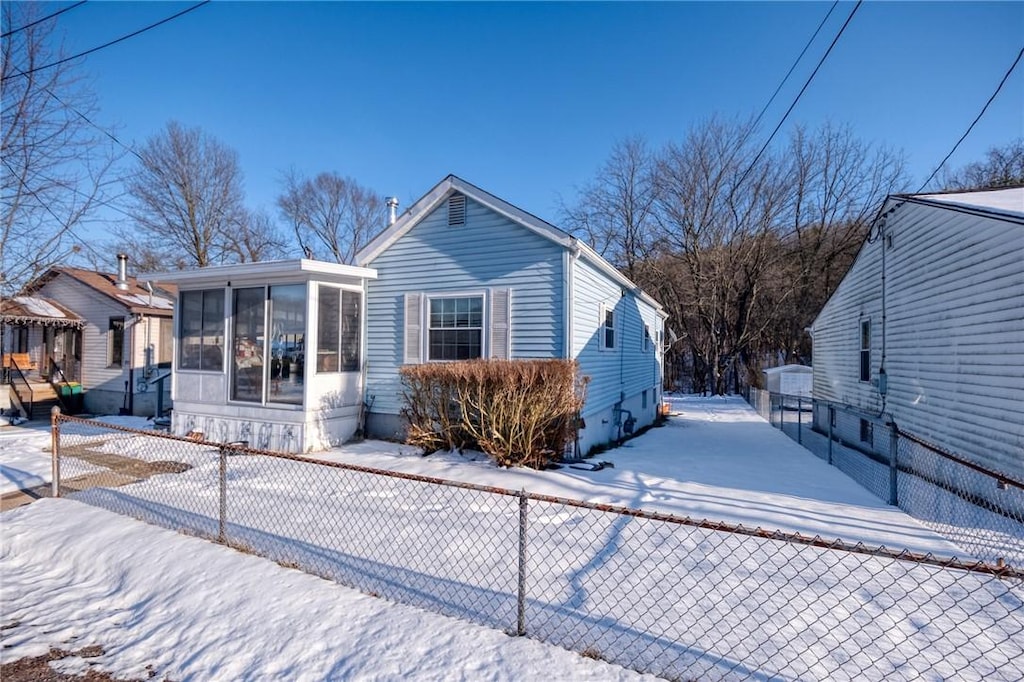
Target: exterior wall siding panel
(954, 332)
(488, 251)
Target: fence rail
(679, 598)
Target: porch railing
(59, 382)
(20, 383)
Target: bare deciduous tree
(1002, 167)
(258, 239)
(724, 236)
(54, 161)
(187, 198)
(615, 211)
(837, 183)
(332, 216)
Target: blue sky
(526, 99)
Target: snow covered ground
(669, 598)
(25, 458)
(187, 609)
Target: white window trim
(485, 321)
(861, 349)
(603, 310)
(645, 333)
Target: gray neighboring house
(123, 344)
(463, 274)
(928, 325)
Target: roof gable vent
(457, 209)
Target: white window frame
(429, 297)
(645, 342)
(864, 349)
(360, 354)
(602, 328)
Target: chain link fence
(981, 511)
(674, 597)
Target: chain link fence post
(893, 467)
(54, 452)
(222, 516)
(831, 421)
(800, 420)
(524, 510)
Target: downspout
(883, 379)
(365, 401)
(569, 290)
(569, 258)
(883, 376)
(149, 337)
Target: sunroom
(270, 353)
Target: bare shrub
(519, 412)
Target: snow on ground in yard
(25, 460)
(715, 459)
(75, 576)
(650, 594)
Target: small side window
(115, 342)
(865, 350)
(606, 332)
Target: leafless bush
(519, 412)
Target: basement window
(456, 210)
(867, 432)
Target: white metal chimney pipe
(392, 210)
(122, 271)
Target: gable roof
(136, 298)
(452, 185)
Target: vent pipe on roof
(392, 210)
(122, 271)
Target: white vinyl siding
(953, 333)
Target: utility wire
(799, 95)
(39, 21)
(974, 122)
(790, 72)
(94, 125)
(108, 44)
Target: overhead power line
(799, 95)
(39, 21)
(797, 61)
(977, 118)
(108, 44)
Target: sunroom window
(268, 367)
(201, 345)
(338, 338)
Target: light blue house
(463, 274)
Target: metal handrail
(21, 375)
(57, 385)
